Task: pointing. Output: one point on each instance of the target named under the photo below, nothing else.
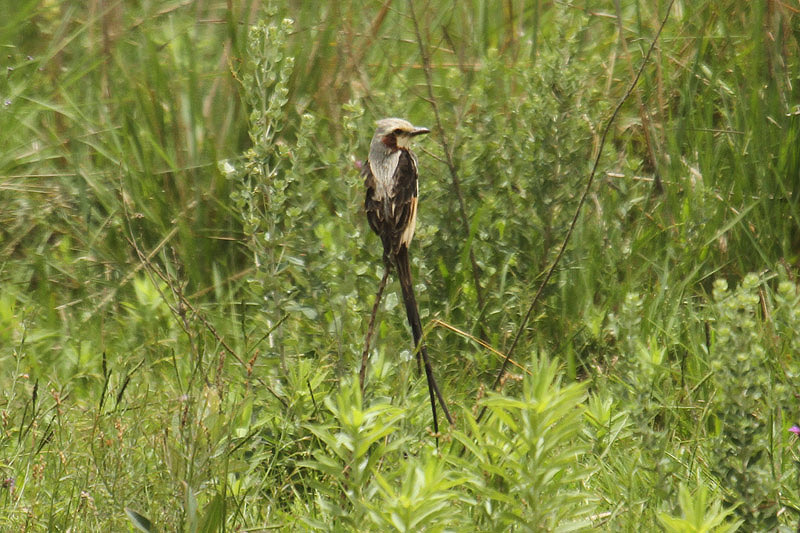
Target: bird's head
(396, 133)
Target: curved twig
(582, 200)
(362, 373)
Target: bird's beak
(419, 131)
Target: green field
(187, 273)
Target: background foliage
(187, 273)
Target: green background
(186, 271)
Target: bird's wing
(404, 199)
(371, 205)
(392, 208)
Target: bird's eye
(398, 131)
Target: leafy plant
(528, 462)
(751, 392)
(699, 515)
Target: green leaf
(141, 522)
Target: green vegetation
(186, 272)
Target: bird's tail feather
(406, 284)
(412, 311)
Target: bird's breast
(383, 168)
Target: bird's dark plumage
(391, 217)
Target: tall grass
(186, 272)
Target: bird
(392, 183)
